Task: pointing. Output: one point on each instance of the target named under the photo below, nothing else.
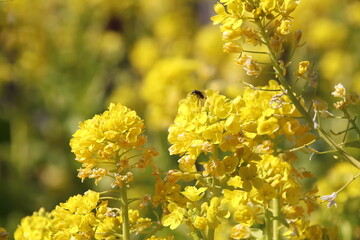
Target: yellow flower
(233, 14)
(168, 191)
(214, 168)
(221, 13)
(244, 215)
(103, 142)
(250, 65)
(194, 194)
(340, 91)
(214, 212)
(236, 10)
(264, 194)
(268, 5)
(288, 6)
(235, 197)
(175, 217)
(36, 227)
(267, 126)
(293, 212)
(240, 231)
(231, 17)
(250, 178)
(302, 67)
(284, 27)
(274, 170)
(200, 223)
(81, 204)
(108, 228)
(231, 47)
(199, 125)
(235, 182)
(230, 163)
(292, 193)
(75, 218)
(297, 229)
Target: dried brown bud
(297, 37)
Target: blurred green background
(63, 61)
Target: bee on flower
(198, 94)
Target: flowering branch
(290, 93)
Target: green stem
(347, 184)
(268, 224)
(215, 153)
(276, 215)
(296, 102)
(211, 234)
(352, 121)
(125, 213)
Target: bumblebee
(198, 94)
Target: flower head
(330, 199)
(102, 143)
(175, 218)
(237, 18)
(240, 231)
(35, 227)
(339, 91)
(75, 218)
(194, 194)
(303, 67)
(198, 126)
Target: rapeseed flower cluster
(81, 217)
(241, 24)
(112, 144)
(251, 121)
(230, 148)
(36, 226)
